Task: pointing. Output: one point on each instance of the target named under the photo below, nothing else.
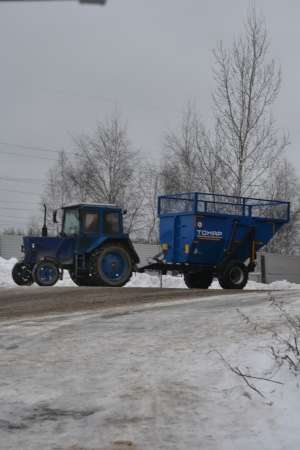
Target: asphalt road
(24, 302)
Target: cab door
(89, 229)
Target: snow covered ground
(148, 377)
(142, 280)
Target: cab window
(90, 222)
(111, 223)
(71, 222)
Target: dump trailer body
(206, 229)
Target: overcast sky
(65, 66)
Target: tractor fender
(125, 241)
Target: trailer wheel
(198, 280)
(22, 275)
(234, 276)
(112, 265)
(45, 273)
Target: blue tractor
(91, 246)
(202, 236)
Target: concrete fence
(271, 267)
(10, 246)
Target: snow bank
(168, 281)
(146, 280)
(143, 280)
(6, 266)
(275, 286)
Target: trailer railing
(198, 202)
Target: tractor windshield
(71, 223)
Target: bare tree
(210, 152)
(193, 157)
(104, 169)
(107, 160)
(34, 227)
(181, 163)
(58, 191)
(133, 202)
(247, 84)
(151, 189)
(284, 184)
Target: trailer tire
(198, 280)
(45, 273)
(112, 265)
(234, 276)
(21, 274)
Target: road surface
(22, 302)
(107, 369)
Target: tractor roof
(92, 205)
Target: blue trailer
(206, 235)
(202, 236)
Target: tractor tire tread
(93, 263)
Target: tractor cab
(91, 220)
(86, 230)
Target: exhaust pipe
(45, 229)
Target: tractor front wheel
(45, 273)
(22, 275)
(234, 276)
(112, 265)
(198, 280)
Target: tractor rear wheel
(112, 265)
(85, 280)
(22, 275)
(234, 276)
(45, 273)
(198, 280)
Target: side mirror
(124, 212)
(55, 216)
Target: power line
(22, 180)
(16, 209)
(19, 192)
(33, 148)
(21, 219)
(19, 155)
(19, 201)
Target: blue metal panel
(58, 248)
